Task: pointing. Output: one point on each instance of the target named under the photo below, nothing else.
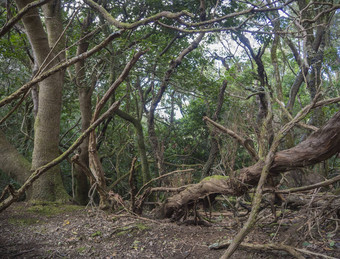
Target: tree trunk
(81, 184)
(140, 143)
(213, 136)
(318, 147)
(47, 124)
(81, 187)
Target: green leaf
(98, 233)
(306, 243)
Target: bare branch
(162, 176)
(117, 82)
(242, 141)
(55, 69)
(333, 8)
(308, 187)
(129, 26)
(20, 14)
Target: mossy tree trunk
(49, 187)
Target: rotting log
(319, 146)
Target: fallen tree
(319, 146)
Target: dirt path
(54, 231)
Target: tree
(47, 122)
(151, 68)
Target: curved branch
(55, 69)
(129, 26)
(117, 82)
(20, 14)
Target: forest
(170, 129)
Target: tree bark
(47, 124)
(318, 147)
(81, 187)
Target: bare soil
(68, 231)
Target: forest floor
(69, 231)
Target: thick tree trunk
(47, 124)
(46, 140)
(12, 162)
(318, 147)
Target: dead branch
(169, 189)
(317, 201)
(308, 187)
(94, 160)
(14, 108)
(327, 102)
(162, 176)
(296, 252)
(242, 141)
(118, 180)
(301, 124)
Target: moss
(36, 123)
(23, 221)
(232, 199)
(96, 234)
(337, 191)
(81, 249)
(217, 177)
(61, 194)
(142, 227)
(122, 233)
(132, 229)
(124, 230)
(52, 208)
